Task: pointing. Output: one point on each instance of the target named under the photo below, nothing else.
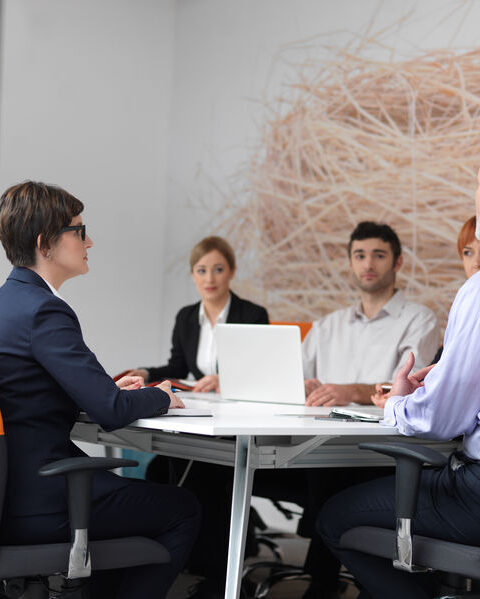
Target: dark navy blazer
(186, 336)
(47, 375)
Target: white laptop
(259, 362)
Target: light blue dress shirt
(449, 403)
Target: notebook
(260, 363)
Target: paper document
(193, 407)
(370, 414)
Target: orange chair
(304, 327)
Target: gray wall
(85, 103)
(147, 110)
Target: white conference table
(250, 436)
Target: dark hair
(30, 209)
(368, 229)
(467, 234)
(207, 245)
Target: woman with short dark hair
(47, 376)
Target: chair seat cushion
(43, 560)
(429, 552)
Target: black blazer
(47, 375)
(186, 335)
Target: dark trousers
(448, 509)
(167, 514)
(212, 484)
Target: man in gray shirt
(347, 351)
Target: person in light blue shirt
(439, 402)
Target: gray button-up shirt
(346, 347)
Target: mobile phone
(336, 417)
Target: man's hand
(311, 385)
(207, 383)
(379, 398)
(129, 382)
(175, 402)
(405, 383)
(328, 395)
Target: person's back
(47, 376)
(37, 413)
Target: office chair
(413, 553)
(276, 569)
(24, 569)
(303, 326)
(259, 577)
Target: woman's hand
(207, 383)
(405, 383)
(138, 372)
(129, 382)
(175, 402)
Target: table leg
(242, 493)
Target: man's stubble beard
(377, 285)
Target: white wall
(85, 102)
(147, 109)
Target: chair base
(42, 587)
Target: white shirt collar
(392, 307)
(53, 290)
(222, 317)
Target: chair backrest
(304, 327)
(3, 464)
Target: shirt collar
(222, 317)
(393, 307)
(53, 290)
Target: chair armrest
(425, 455)
(79, 482)
(78, 472)
(86, 464)
(409, 459)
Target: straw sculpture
(363, 140)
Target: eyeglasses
(80, 228)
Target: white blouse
(207, 346)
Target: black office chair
(24, 569)
(259, 577)
(414, 553)
(275, 570)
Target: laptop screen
(260, 363)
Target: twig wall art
(394, 142)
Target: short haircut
(30, 209)
(207, 245)
(368, 229)
(467, 234)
